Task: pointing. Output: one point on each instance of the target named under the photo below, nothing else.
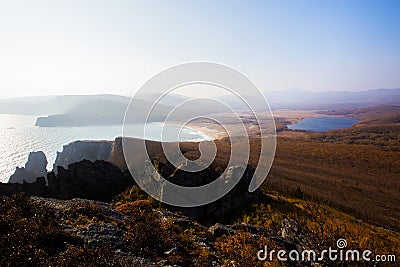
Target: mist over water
(19, 137)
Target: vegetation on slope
(43, 232)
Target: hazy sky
(87, 47)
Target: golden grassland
(355, 170)
(387, 114)
(357, 178)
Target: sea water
(19, 137)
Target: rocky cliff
(34, 167)
(97, 170)
(83, 150)
(73, 152)
(99, 180)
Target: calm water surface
(323, 124)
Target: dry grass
(359, 179)
(355, 170)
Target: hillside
(45, 105)
(134, 230)
(111, 111)
(302, 99)
(385, 114)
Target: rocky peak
(82, 150)
(34, 167)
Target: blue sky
(87, 47)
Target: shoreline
(208, 130)
(212, 132)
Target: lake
(19, 136)
(323, 124)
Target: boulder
(218, 230)
(290, 229)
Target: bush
(29, 233)
(133, 194)
(241, 249)
(145, 233)
(84, 256)
(298, 193)
(84, 212)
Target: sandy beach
(210, 130)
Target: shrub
(145, 232)
(29, 233)
(133, 194)
(84, 256)
(84, 212)
(241, 249)
(298, 193)
(131, 208)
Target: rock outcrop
(222, 209)
(34, 167)
(83, 150)
(107, 230)
(99, 180)
(97, 170)
(117, 154)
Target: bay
(19, 137)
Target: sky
(93, 47)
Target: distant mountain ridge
(107, 109)
(53, 104)
(301, 99)
(91, 112)
(110, 110)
